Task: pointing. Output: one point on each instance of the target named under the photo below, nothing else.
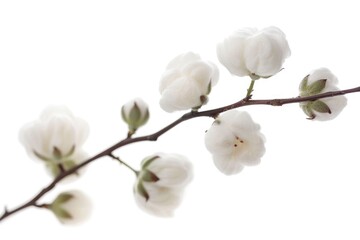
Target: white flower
(250, 52)
(135, 113)
(186, 82)
(235, 141)
(71, 207)
(161, 182)
(56, 138)
(320, 81)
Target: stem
(153, 137)
(124, 163)
(250, 89)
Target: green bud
(71, 207)
(56, 206)
(135, 113)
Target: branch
(153, 137)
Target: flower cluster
(234, 139)
(186, 83)
(320, 81)
(161, 182)
(56, 138)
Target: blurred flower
(135, 113)
(186, 83)
(161, 183)
(71, 207)
(56, 138)
(235, 141)
(254, 53)
(320, 81)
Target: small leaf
(147, 162)
(62, 198)
(142, 191)
(307, 110)
(38, 155)
(303, 85)
(134, 114)
(61, 213)
(71, 152)
(209, 88)
(57, 153)
(316, 87)
(320, 106)
(148, 176)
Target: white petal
(231, 51)
(162, 201)
(183, 94)
(323, 73)
(185, 81)
(227, 165)
(173, 170)
(182, 60)
(336, 105)
(79, 208)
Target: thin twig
(153, 137)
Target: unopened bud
(72, 207)
(135, 113)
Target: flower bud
(56, 138)
(71, 207)
(320, 81)
(161, 182)
(186, 83)
(254, 53)
(135, 113)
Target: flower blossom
(235, 141)
(186, 83)
(71, 207)
(320, 81)
(254, 53)
(56, 138)
(161, 183)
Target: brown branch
(153, 137)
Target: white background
(93, 56)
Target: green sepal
(306, 107)
(142, 191)
(304, 83)
(209, 88)
(146, 162)
(320, 106)
(148, 176)
(41, 157)
(57, 153)
(56, 208)
(134, 115)
(62, 198)
(316, 87)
